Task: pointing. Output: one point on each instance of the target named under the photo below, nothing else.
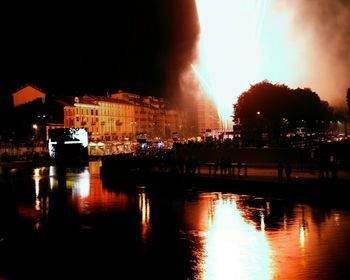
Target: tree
(274, 110)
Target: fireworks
(242, 42)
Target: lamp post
(35, 127)
(260, 129)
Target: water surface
(59, 224)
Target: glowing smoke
(323, 29)
(299, 43)
(229, 56)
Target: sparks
(241, 43)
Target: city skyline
(145, 48)
(175, 139)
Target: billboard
(68, 144)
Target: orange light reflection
(52, 174)
(302, 236)
(82, 184)
(144, 207)
(235, 249)
(37, 190)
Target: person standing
(239, 166)
(288, 171)
(280, 171)
(334, 168)
(216, 166)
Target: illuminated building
(207, 114)
(34, 114)
(29, 115)
(27, 94)
(116, 117)
(122, 116)
(104, 118)
(175, 123)
(149, 114)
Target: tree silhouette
(274, 110)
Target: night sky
(96, 46)
(72, 48)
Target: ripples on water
(62, 224)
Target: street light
(35, 127)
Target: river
(66, 224)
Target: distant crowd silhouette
(328, 168)
(192, 158)
(287, 170)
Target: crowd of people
(192, 158)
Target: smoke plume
(321, 28)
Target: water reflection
(302, 230)
(81, 184)
(52, 174)
(195, 235)
(41, 197)
(37, 180)
(234, 248)
(144, 208)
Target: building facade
(207, 115)
(119, 116)
(27, 94)
(123, 116)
